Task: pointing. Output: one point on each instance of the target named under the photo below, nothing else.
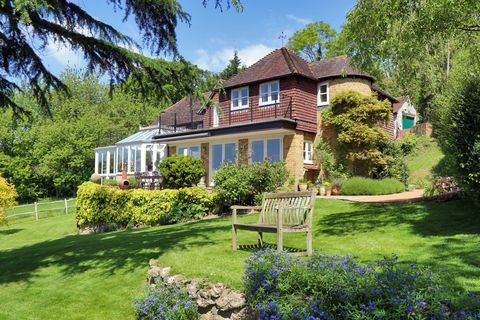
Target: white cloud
(218, 60)
(63, 54)
(299, 20)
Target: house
(269, 112)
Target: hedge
(102, 205)
(367, 186)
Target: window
(307, 152)
(149, 158)
(239, 98)
(322, 98)
(269, 92)
(193, 151)
(266, 150)
(222, 153)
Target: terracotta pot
(329, 192)
(302, 186)
(124, 183)
(335, 191)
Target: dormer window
(269, 92)
(239, 98)
(323, 98)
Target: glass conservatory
(136, 153)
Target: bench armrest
(235, 208)
(246, 207)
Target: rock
(176, 279)
(165, 272)
(243, 314)
(154, 272)
(212, 315)
(217, 290)
(205, 303)
(230, 300)
(193, 287)
(153, 263)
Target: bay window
(269, 92)
(239, 98)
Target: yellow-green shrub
(102, 205)
(8, 195)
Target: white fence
(41, 209)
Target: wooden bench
(279, 213)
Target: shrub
(245, 184)
(99, 205)
(181, 171)
(8, 195)
(165, 302)
(280, 286)
(367, 186)
(409, 143)
(110, 182)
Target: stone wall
(243, 151)
(360, 85)
(204, 155)
(293, 154)
(214, 301)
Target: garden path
(404, 197)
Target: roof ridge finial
(282, 36)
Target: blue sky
(213, 35)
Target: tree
(313, 41)
(50, 155)
(356, 119)
(8, 195)
(234, 67)
(29, 25)
(458, 125)
(412, 42)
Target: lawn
(422, 161)
(49, 272)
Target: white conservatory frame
(138, 152)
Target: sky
(213, 35)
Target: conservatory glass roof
(144, 135)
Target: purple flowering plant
(165, 302)
(280, 286)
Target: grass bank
(49, 272)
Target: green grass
(46, 208)
(49, 272)
(367, 186)
(421, 163)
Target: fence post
(66, 205)
(36, 210)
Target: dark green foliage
(101, 205)
(110, 182)
(234, 67)
(103, 47)
(367, 186)
(239, 184)
(181, 171)
(283, 287)
(355, 118)
(329, 167)
(460, 134)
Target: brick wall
(297, 93)
(293, 154)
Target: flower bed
(101, 207)
(279, 286)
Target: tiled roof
(399, 104)
(278, 63)
(384, 93)
(335, 67)
(183, 111)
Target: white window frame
(188, 150)
(308, 152)
(269, 99)
(240, 98)
(265, 148)
(319, 102)
(210, 157)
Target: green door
(407, 122)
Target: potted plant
(303, 184)
(328, 188)
(336, 185)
